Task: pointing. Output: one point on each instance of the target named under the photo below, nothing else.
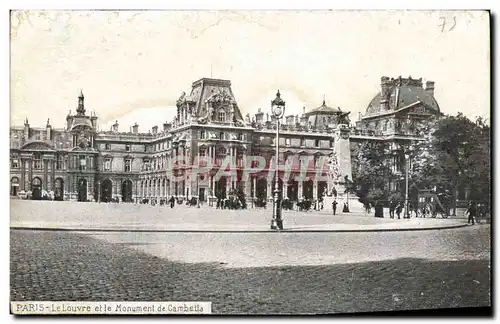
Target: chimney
(166, 127)
(115, 126)
(135, 128)
(385, 87)
(93, 120)
(303, 119)
(155, 130)
(26, 129)
(429, 87)
(49, 130)
(259, 117)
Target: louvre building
(78, 162)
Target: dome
(401, 93)
(325, 116)
(81, 122)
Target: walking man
(392, 207)
(334, 207)
(472, 210)
(399, 209)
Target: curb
(239, 231)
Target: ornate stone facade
(80, 163)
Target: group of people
(475, 210)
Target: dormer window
(222, 115)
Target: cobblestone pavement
(50, 265)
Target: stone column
(315, 190)
(269, 192)
(212, 185)
(285, 190)
(53, 174)
(30, 174)
(23, 176)
(229, 182)
(300, 193)
(45, 174)
(254, 179)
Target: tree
(455, 151)
(372, 174)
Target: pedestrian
(399, 208)
(472, 210)
(334, 206)
(172, 202)
(392, 208)
(346, 208)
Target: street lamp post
(278, 110)
(98, 191)
(408, 152)
(407, 209)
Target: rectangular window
(59, 162)
(163, 145)
(15, 163)
(128, 165)
(107, 146)
(107, 165)
(287, 141)
(202, 134)
(202, 152)
(127, 147)
(83, 163)
(316, 143)
(221, 135)
(37, 162)
(302, 142)
(240, 137)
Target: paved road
(406, 273)
(68, 215)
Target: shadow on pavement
(61, 266)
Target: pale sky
(132, 66)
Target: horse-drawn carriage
(430, 204)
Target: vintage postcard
(249, 162)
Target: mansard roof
(210, 90)
(402, 93)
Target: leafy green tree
(455, 151)
(371, 173)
